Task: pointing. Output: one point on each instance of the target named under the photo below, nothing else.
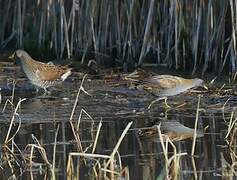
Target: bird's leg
(158, 99)
(45, 92)
(166, 104)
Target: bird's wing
(51, 72)
(164, 81)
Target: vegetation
(191, 35)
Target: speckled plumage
(41, 74)
(163, 85)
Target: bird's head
(19, 54)
(199, 83)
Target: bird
(168, 85)
(163, 86)
(171, 129)
(43, 75)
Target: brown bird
(40, 74)
(163, 85)
(167, 85)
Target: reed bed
(197, 36)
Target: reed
(197, 36)
(171, 163)
(195, 126)
(109, 169)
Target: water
(115, 105)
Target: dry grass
(171, 163)
(105, 166)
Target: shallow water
(116, 105)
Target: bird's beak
(12, 56)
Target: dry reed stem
(118, 143)
(17, 130)
(194, 168)
(77, 97)
(92, 155)
(69, 167)
(195, 126)
(96, 137)
(5, 105)
(126, 173)
(111, 172)
(196, 40)
(163, 148)
(43, 154)
(54, 148)
(220, 89)
(89, 155)
(12, 120)
(223, 107)
(147, 30)
(231, 124)
(11, 101)
(174, 158)
(76, 135)
(80, 116)
(128, 31)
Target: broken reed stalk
(195, 126)
(81, 88)
(89, 155)
(5, 105)
(110, 162)
(75, 131)
(11, 101)
(80, 116)
(11, 123)
(10, 155)
(43, 154)
(118, 143)
(174, 158)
